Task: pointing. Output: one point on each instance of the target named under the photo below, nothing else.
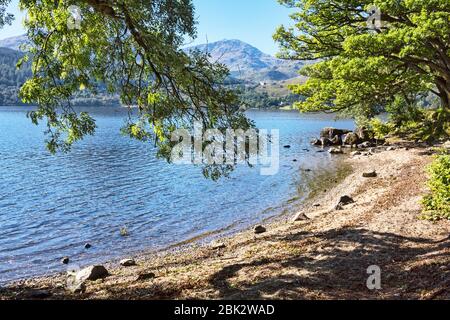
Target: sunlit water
(50, 206)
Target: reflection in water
(51, 205)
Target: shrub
(381, 129)
(437, 203)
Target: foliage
(437, 203)
(363, 71)
(257, 99)
(381, 129)
(5, 17)
(133, 49)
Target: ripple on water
(51, 205)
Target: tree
(134, 49)
(364, 68)
(5, 18)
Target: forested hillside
(11, 78)
(260, 78)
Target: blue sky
(252, 21)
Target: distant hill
(262, 78)
(249, 63)
(10, 78)
(14, 42)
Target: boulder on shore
(364, 134)
(351, 139)
(325, 142)
(330, 132)
(336, 141)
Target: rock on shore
(361, 138)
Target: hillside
(261, 78)
(10, 77)
(14, 42)
(249, 63)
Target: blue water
(50, 206)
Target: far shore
(325, 254)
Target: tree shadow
(339, 269)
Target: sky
(252, 21)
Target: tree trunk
(444, 93)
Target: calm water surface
(50, 206)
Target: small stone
(92, 273)
(127, 262)
(80, 287)
(343, 201)
(65, 260)
(390, 148)
(37, 294)
(335, 151)
(346, 200)
(356, 153)
(316, 205)
(87, 246)
(218, 245)
(371, 174)
(300, 217)
(145, 276)
(259, 229)
(425, 153)
(365, 144)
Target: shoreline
(323, 257)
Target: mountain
(249, 63)
(261, 78)
(14, 42)
(11, 79)
(244, 61)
